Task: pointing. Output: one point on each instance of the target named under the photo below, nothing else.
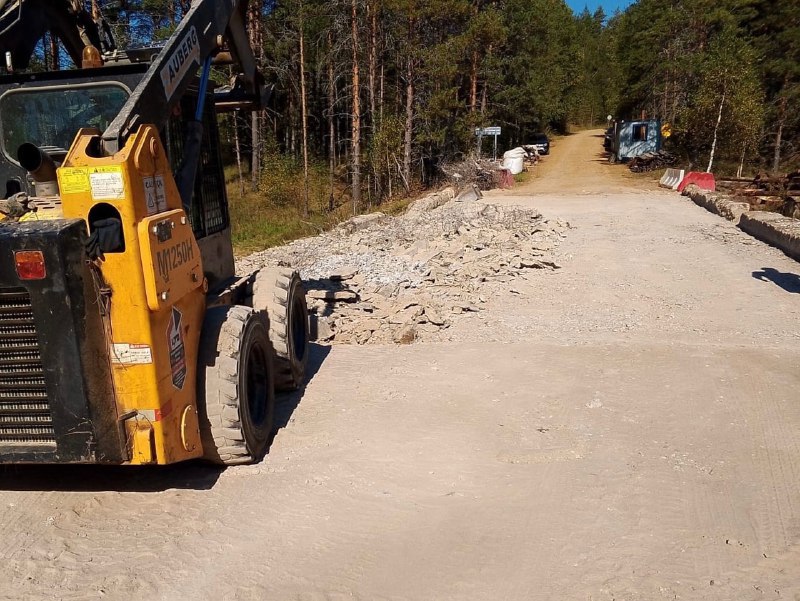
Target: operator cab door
(210, 218)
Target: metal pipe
(41, 167)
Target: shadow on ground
(790, 282)
(191, 475)
(287, 403)
(602, 157)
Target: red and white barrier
(704, 181)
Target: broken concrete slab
(343, 273)
(434, 317)
(415, 269)
(347, 296)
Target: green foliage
(728, 91)
(386, 146)
(678, 57)
(281, 183)
(526, 65)
(541, 67)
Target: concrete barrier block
(775, 229)
(715, 203)
(672, 178)
(705, 181)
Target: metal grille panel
(209, 205)
(25, 416)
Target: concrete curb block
(431, 201)
(360, 222)
(729, 209)
(774, 229)
(672, 178)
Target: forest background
(372, 96)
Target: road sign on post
(488, 131)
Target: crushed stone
(378, 279)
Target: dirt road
(624, 428)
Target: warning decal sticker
(132, 354)
(177, 351)
(161, 193)
(107, 183)
(73, 180)
(150, 195)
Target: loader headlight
(30, 264)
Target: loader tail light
(30, 264)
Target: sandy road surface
(627, 427)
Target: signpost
(488, 131)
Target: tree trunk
(254, 26)
(383, 84)
(741, 161)
(776, 159)
(304, 112)
(356, 145)
(484, 92)
(255, 151)
(54, 53)
(331, 123)
(409, 127)
(716, 131)
(238, 149)
(373, 57)
(473, 83)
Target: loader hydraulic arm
(200, 35)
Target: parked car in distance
(541, 143)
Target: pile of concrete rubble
(381, 279)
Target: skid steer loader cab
(126, 336)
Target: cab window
(50, 118)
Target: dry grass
(273, 215)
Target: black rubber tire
(279, 292)
(236, 396)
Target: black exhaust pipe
(42, 168)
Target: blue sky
(609, 6)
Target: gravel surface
(626, 427)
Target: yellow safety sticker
(73, 180)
